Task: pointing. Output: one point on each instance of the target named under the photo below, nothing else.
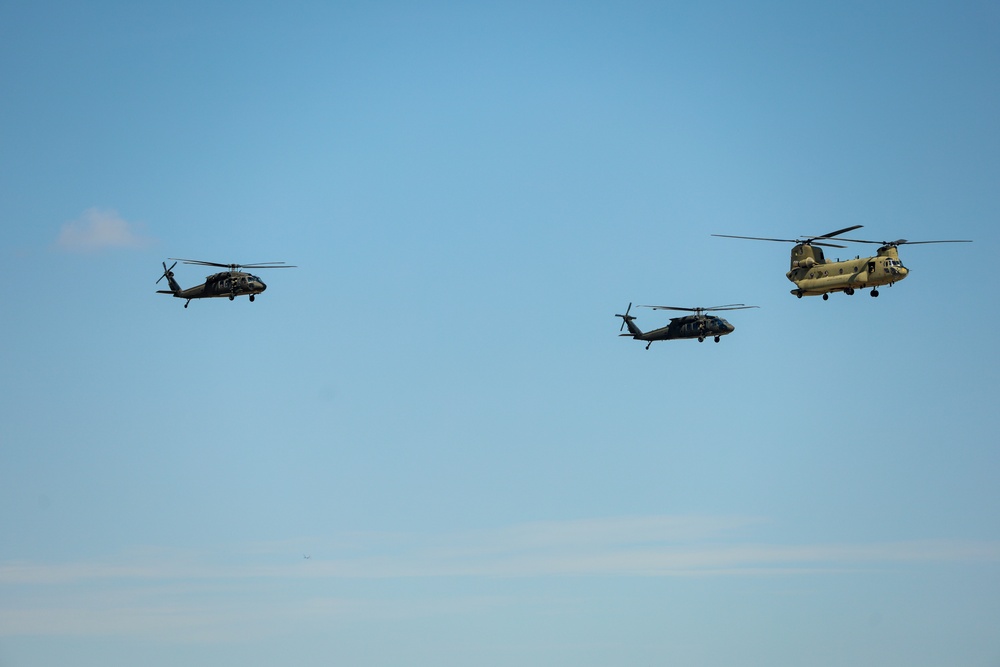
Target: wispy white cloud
(141, 592)
(651, 546)
(97, 229)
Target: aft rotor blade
(757, 238)
(837, 233)
(810, 240)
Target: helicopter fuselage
(228, 284)
(697, 327)
(814, 275)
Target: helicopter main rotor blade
(946, 241)
(234, 266)
(836, 233)
(807, 241)
(690, 310)
(757, 238)
(904, 241)
(199, 262)
(728, 306)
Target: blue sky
(435, 405)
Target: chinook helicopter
(699, 325)
(231, 283)
(814, 275)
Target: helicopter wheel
(874, 292)
(849, 291)
(701, 339)
(251, 298)
(716, 339)
(826, 297)
(231, 297)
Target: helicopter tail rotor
(633, 330)
(625, 318)
(169, 275)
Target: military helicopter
(699, 325)
(231, 283)
(814, 275)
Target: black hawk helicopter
(814, 275)
(699, 325)
(231, 283)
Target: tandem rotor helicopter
(230, 283)
(814, 275)
(699, 325)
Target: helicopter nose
(262, 286)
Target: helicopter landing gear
(648, 344)
(231, 297)
(874, 292)
(849, 291)
(826, 296)
(716, 339)
(251, 298)
(187, 302)
(701, 339)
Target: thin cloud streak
(98, 229)
(242, 591)
(646, 547)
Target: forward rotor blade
(947, 241)
(904, 241)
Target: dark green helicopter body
(698, 326)
(230, 284)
